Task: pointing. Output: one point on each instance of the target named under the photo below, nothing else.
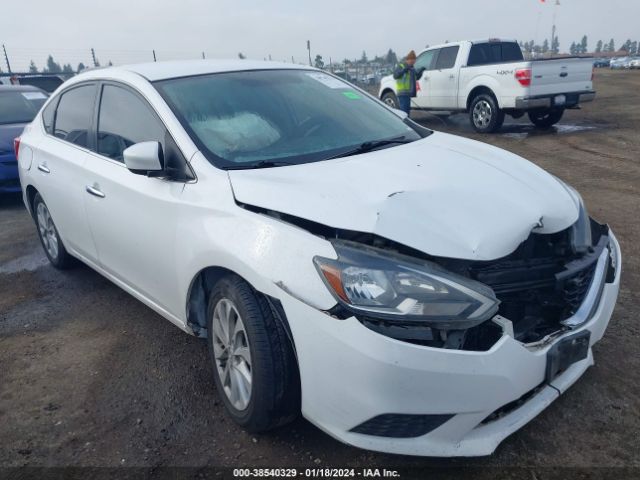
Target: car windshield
(280, 117)
(20, 106)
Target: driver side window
(426, 60)
(124, 120)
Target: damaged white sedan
(408, 291)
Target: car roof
(155, 71)
(19, 88)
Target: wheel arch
(479, 90)
(385, 91)
(31, 192)
(198, 295)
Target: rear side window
(48, 114)
(125, 119)
(487, 53)
(74, 113)
(447, 58)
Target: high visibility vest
(403, 84)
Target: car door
(134, 218)
(443, 79)
(425, 60)
(60, 157)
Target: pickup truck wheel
(255, 368)
(485, 115)
(546, 118)
(390, 99)
(48, 233)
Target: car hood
(443, 195)
(7, 133)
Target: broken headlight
(580, 232)
(380, 284)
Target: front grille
(576, 287)
(396, 425)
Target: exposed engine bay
(539, 285)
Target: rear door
(442, 80)
(134, 218)
(59, 158)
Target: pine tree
(599, 46)
(545, 46)
(573, 48)
(32, 67)
(555, 45)
(81, 67)
(612, 46)
(583, 44)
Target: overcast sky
(126, 31)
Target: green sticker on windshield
(351, 95)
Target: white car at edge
(408, 291)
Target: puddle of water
(524, 131)
(28, 263)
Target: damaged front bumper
(384, 394)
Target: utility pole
(6, 58)
(154, 55)
(553, 26)
(93, 55)
(309, 49)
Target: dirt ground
(89, 376)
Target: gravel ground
(91, 377)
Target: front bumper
(9, 181)
(548, 101)
(350, 374)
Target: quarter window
(124, 120)
(447, 58)
(73, 116)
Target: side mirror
(144, 158)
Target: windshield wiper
(260, 164)
(371, 145)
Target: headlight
(395, 287)
(581, 239)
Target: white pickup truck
(490, 78)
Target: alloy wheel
(47, 230)
(232, 353)
(482, 112)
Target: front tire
(485, 115)
(545, 118)
(391, 100)
(255, 368)
(49, 237)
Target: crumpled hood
(443, 195)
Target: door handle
(43, 168)
(95, 191)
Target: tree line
(52, 66)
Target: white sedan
(408, 291)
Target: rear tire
(257, 356)
(545, 118)
(484, 114)
(391, 100)
(49, 238)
